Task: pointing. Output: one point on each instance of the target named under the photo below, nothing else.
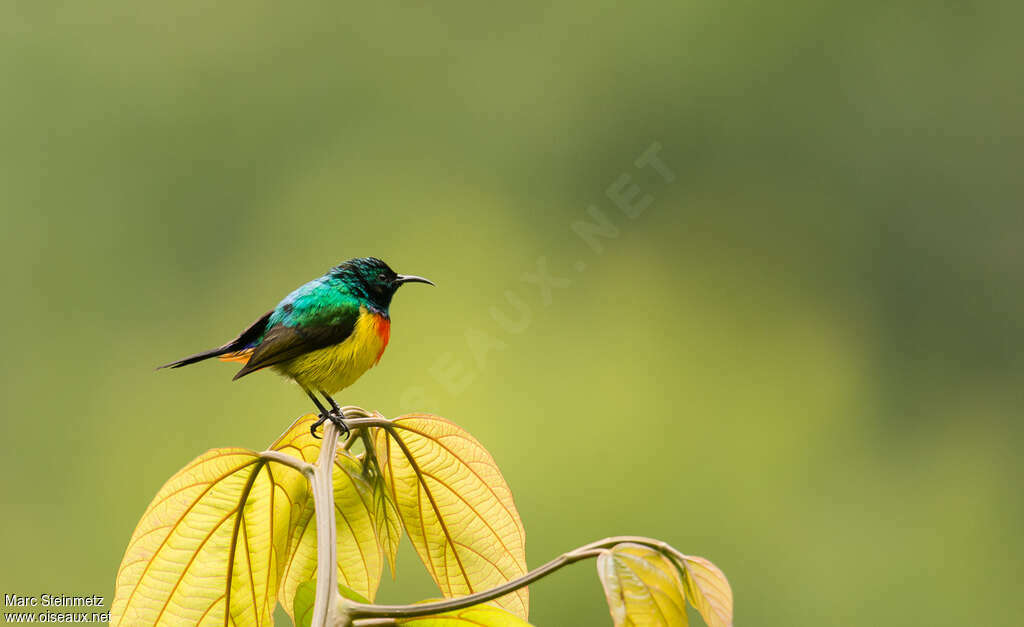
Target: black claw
(338, 418)
(312, 427)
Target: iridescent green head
(373, 280)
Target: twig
(321, 481)
(325, 604)
(366, 612)
(288, 460)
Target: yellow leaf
(232, 533)
(207, 550)
(455, 506)
(387, 521)
(360, 554)
(642, 586)
(480, 615)
(708, 590)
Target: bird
(323, 336)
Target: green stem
(357, 611)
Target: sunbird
(324, 335)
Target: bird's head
(373, 280)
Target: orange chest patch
(382, 327)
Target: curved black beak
(412, 278)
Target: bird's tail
(228, 350)
(237, 349)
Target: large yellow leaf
(387, 521)
(707, 589)
(222, 534)
(208, 549)
(479, 615)
(360, 554)
(455, 506)
(642, 586)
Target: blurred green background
(802, 361)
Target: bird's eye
(382, 277)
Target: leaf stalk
(366, 615)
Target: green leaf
(642, 586)
(707, 588)
(360, 554)
(208, 547)
(352, 595)
(305, 597)
(455, 506)
(481, 615)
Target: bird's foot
(336, 416)
(312, 427)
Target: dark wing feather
(282, 343)
(244, 339)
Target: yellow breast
(334, 368)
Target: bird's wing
(283, 342)
(244, 341)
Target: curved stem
(325, 605)
(593, 549)
(367, 421)
(290, 461)
(353, 437)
